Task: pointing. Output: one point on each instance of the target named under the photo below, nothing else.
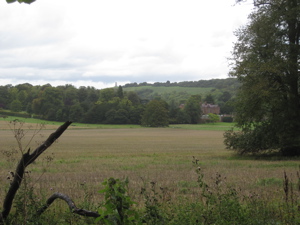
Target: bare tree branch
(26, 160)
(70, 203)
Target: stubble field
(82, 158)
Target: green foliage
(117, 207)
(213, 117)
(153, 214)
(193, 109)
(209, 99)
(227, 107)
(266, 62)
(16, 106)
(155, 114)
(22, 200)
(133, 97)
(225, 97)
(76, 112)
(227, 119)
(181, 91)
(213, 83)
(14, 114)
(182, 117)
(251, 141)
(120, 93)
(66, 102)
(21, 1)
(222, 204)
(107, 94)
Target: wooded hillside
(181, 91)
(111, 105)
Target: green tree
(133, 97)
(121, 116)
(70, 96)
(182, 117)
(13, 94)
(209, 99)
(156, 114)
(49, 101)
(135, 113)
(4, 96)
(20, 1)
(107, 94)
(192, 109)
(266, 62)
(82, 94)
(93, 94)
(173, 111)
(110, 116)
(227, 108)
(124, 103)
(76, 113)
(22, 97)
(213, 117)
(96, 114)
(120, 93)
(16, 106)
(225, 96)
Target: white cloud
(102, 42)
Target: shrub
(117, 207)
(227, 119)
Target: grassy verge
(221, 126)
(74, 125)
(212, 126)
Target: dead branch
(26, 160)
(70, 203)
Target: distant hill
(181, 91)
(213, 83)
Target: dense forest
(118, 105)
(229, 83)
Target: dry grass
(83, 158)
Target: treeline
(90, 105)
(229, 83)
(61, 103)
(47, 102)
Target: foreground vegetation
(176, 176)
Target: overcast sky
(100, 42)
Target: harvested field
(82, 158)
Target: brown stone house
(209, 108)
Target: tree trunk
(26, 160)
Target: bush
(227, 119)
(117, 207)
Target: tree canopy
(266, 62)
(156, 114)
(193, 109)
(21, 1)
